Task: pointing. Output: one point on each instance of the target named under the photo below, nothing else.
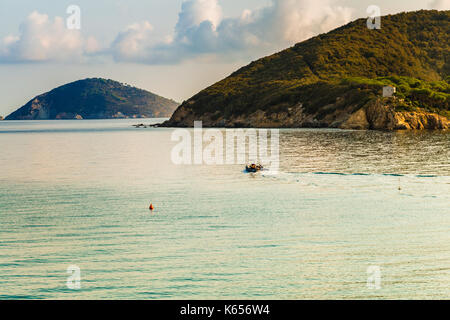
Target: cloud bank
(201, 30)
(41, 39)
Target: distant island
(336, 80)
(95, 98)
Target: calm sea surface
(77, 193)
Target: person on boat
(253, 167)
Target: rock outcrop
(381, 116)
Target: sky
(174, 48)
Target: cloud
(193, 13)
(440, 4)
(201, 30)
(130, 44)
(41, 39)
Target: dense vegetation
(413, 94)
(345, 67)
(93, 99)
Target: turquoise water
(77, 193)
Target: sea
(348, 215)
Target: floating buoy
(151, 207)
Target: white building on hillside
(388, 91)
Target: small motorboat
(253, 168)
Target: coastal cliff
(380, 115)
(336, 80)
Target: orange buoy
(151, 207)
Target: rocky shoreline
(378, 114)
